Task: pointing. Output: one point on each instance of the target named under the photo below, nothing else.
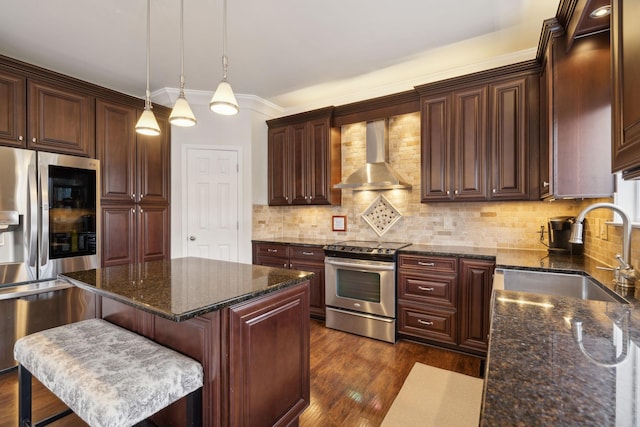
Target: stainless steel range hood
(376, 174)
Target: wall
(480, 224)
(245, 130)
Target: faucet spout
(576, 237)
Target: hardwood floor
(353, 380)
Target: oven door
(361, 285)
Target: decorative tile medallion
(381, 215)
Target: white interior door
(212, 203)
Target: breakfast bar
(247, 325)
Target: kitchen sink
(556, 284)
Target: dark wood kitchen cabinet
(427, 298)
(41, 115)
(476, 278)
(134, 185)
(297, 257)
(13, 110)
(60, 120)
(625, 46)
(445, 301)
(304, 159)
(575, 116)
(478, 135)
(134, 233)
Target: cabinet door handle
(20, 138)
(308, 253)
(545, 184)
(33, 139)
(448, 192)
(284, 265)
(192, 238)
(427, 264)
(424, 322)
(455, 192)
(422, 288)
(273, 251)
(493, 191)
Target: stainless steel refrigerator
(49, 224)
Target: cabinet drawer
(438, 324)
(427, 263)
(306, 254)
(425, 288)
(272, 250)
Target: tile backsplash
(513, 225)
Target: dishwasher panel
(25, 310)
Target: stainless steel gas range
(360, 287)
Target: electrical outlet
(604, 230)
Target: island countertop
(182, 288)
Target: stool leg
(194, 408)
(24, 396)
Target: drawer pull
(427, 264)
(422, 288)
(424, 322)
(272, 250)
(308, 253)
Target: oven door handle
(368, 266)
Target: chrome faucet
(625, 274)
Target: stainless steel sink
(556, 284)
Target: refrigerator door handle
(44, 226)
(32, 213)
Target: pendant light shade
(181, 115)
(224, 101)
(147, 123)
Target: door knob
(192, 238)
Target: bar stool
(107, 375)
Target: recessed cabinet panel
(278, 165)
(625, 37)
(119, 235)
(508, 139)
(60, 120)
(116, 146)
(436, 158)
(154, 240)
(470, 147)
(13, 107)
(153, 165)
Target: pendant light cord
(148, 93)
(181, 47)
(224, 40)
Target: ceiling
(291, 53)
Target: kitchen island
(247, 325)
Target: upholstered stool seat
(107, 375)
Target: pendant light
(181, 115)
(147, 123)
(224, 101)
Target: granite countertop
(537, 372)
(183, 288)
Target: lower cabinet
(445, 301)
(297, 257)
(134, 233)
(255, 356)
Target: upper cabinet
(42, 115)
(575, 116)
(60, 120)
(13, 109)
(478, 135)
(135, 167)
(625, 45)
(304, 159)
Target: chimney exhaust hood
(376, 174)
